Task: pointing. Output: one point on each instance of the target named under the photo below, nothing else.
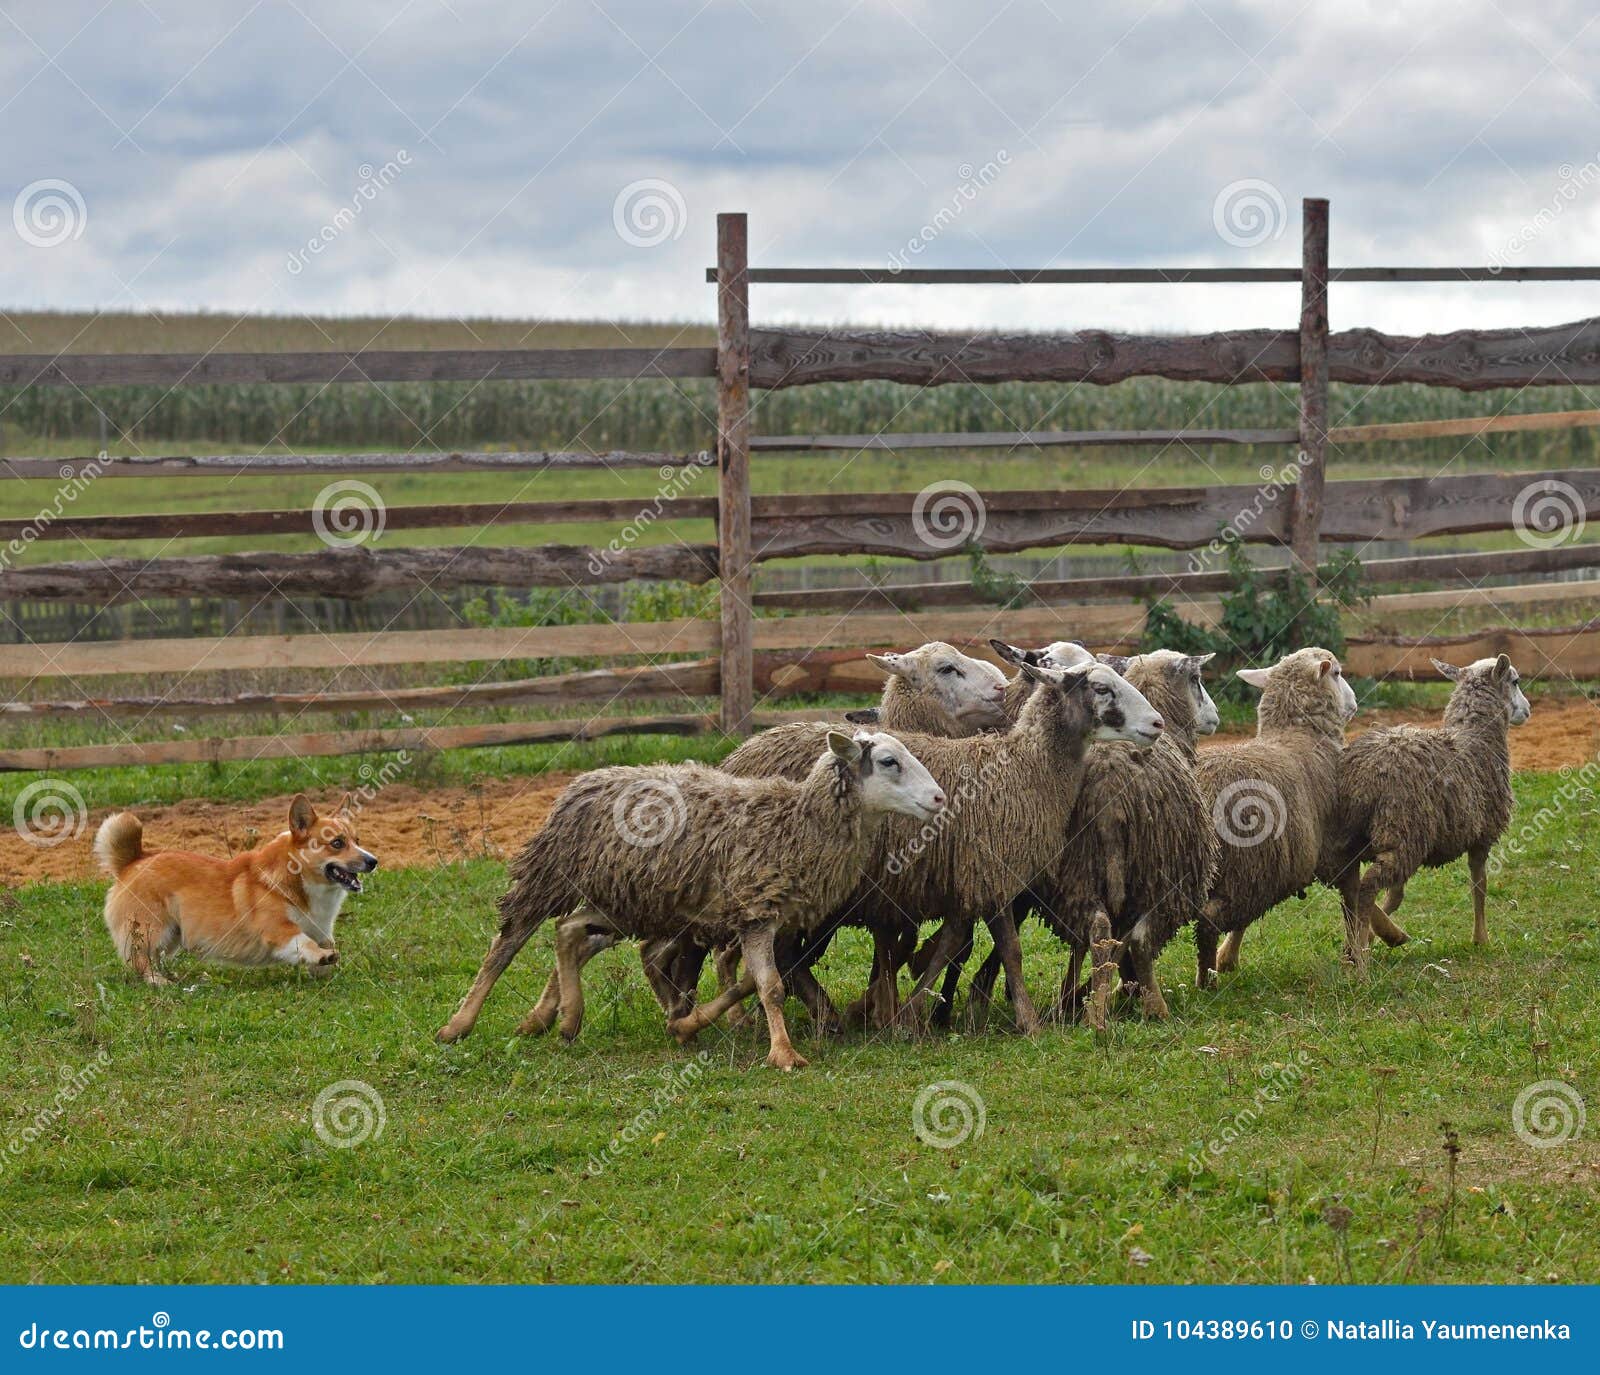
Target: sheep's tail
(118, 843)
(539, 891)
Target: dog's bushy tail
(118, 843)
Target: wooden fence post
(1306, 516)
(733, 464)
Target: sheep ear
(1256, 677)
(1201, 660)
(1117, 663)
(864, 716)
(1010, 653)
(892, 664)
(302, 815)
(1449, 671)
(1035, 674)
(1502, 665)
(843, 746)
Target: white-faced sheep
(649, 852)
(1011, 797)
(1140, 847)
(932, 690)
(1272, 799)
(1412, 797)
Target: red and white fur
(273, 905)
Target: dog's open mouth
(347, 879)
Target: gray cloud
(213, 144)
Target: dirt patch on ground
(409, 826)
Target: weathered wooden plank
(886, 524)
(1020, 439)
(1054, 592)
(351, 574)
(695, 679)
(735, 557)
(319, 465)
(1089, 276)
(191, 524)
(373, 365)
(1562, 653)
(1465, 428)
(325, 743)
(1467, 360)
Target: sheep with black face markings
(738, 857)
(1412, 797)
(1011, 797)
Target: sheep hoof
(787, 1060)
(682, 1030)
(449, 1033)
(1155, 1006)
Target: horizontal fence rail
(377, 365)
(334, 465)
(1466, 360)
(1157, 276)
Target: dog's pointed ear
(302, 815)
(345, 809)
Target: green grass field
(169, 1135)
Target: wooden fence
(809, 648)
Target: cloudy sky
(566, 158)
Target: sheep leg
(980, 992)
(1009, 945)
(1382, 925)
(1228, 954)
(543, 1015)
(1205, 945)
(943, 1013)
(947, 941)
(572, 939)
(758, 959)
(672, 968)
(1071, 999)
(1105, 948)
(511, 937)
(1478, 866)
(685, 1028)
(1383, 872)
(880, 1005)
(1357, 932)
(727, 965)
(1137, 953)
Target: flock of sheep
(1072, 791)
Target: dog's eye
(337, 843)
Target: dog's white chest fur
(316, 919)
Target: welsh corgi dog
(272, 905)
